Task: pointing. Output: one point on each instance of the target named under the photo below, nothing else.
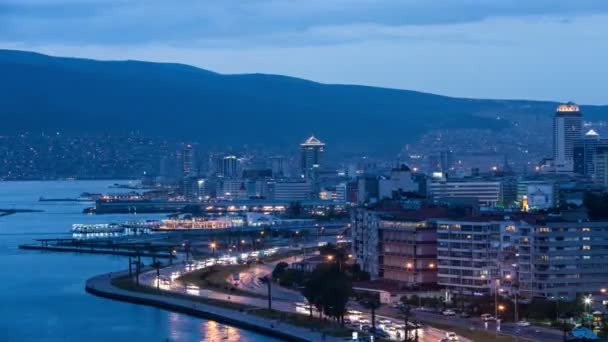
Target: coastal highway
(168, 283)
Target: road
(168, 283)
(249, 281)
(532, 332)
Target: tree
(312, 290)
(336, 292)
(328, 289)
(371, 302)
(279, 269)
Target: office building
(311, 156)
(567, 125)
(569, 258)
(475, 254)
(600, 165)
(278, 166)
(399, 182)
(487, 193)
(188, 161)
(397, 245)
(290, 191)
(536, 195)
(229, 168)
(585, 149)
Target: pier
(108, 247)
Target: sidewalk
(101, 285)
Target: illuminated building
(188, 161)
(290, 191)
(567, 125)
(311, 156)
(229, 167)
(487, 193)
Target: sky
(524, 49)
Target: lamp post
(213, 246)
(587, 300)
(496, 285)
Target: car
(523, 323)
(347, 321)
(451, 336)
(464, 315)
(449, 312)
(487, 317)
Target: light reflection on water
(42, 295)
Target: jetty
(108, 247)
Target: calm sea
(42, 295)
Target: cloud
(252, 21)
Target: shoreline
(101, 286)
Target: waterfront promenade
(102, 286)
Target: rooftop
(312, 141)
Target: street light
(213, 245)
(603, 290)
(330, 257)
(587, 300)
(432, 265)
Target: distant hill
(43, 93)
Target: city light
(603, 290)
(330, 257)
(431, 265)
(409, 265)
(501, 307)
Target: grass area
(330, 328)
(476, 335)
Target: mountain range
(176, 101)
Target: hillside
(43, 93)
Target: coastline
(101, 286)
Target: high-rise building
(277, 166)
(311, 156)
(567, 125)
(229, 167)
(600, 166)
(584, 151)
(188, 161)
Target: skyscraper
(567, 126)
(312, 152)
(188, 162)
(229, 167)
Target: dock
(108, 247)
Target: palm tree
(157, 266)
(372, 303)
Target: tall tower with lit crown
(567, 130)
(311, 156)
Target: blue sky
(534, 49)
